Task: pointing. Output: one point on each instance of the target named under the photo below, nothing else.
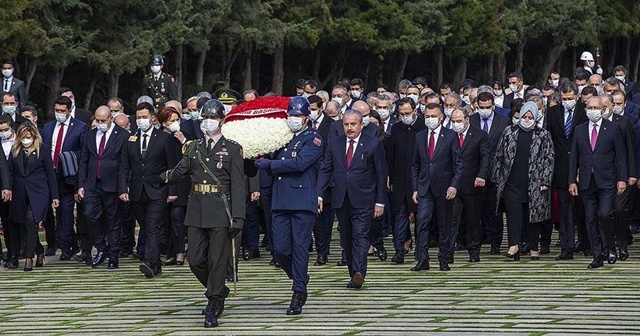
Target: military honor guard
(160, 86)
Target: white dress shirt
(598, 124)
(99, 137)
(148, 132)
(7, 144)
(435, 136)
(6, 84)
(56, 130)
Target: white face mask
(10, 110)
(497, 93)
(356, 93)
(580, 87)
(569, 104)
(61, 117)
(295, 123)
(458, 127)
(185, 116)
(194, 115)
(513, 87)
(27, 142)
(466, 100)
(7, 72)
(515, 120)
(594, 115)
(555, 82)
(209, 125)
(545, 100)
(431, 123)
(485, 113)
(618, 110)
(143, 124)
(448, 112)
(175, 126)
(102, 127)
(155, 69)
(408, 119)
(414, 97)
(607, 113)
(365, 121)
(527, 124)
(306, 95)
(6, 135)
(314, 115)
(337, 100)
(384, 113)
(591, 64)
(620, 78)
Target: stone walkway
(492, 297)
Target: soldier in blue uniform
(294, 170)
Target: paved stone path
(491, 297)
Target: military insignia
(219, 165)
(293, 154)
(317, 142)
(133, 138)
(221, 153)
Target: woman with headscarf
(522, 170)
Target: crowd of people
(453, 160)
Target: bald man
(337, 128)
(98, 185)
(122, 120)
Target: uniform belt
(210, 188)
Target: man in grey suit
(12, 84)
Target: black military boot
(297, 301)
(210, 318)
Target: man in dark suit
(98, 185)
(76, 112)
(437, 168)
(10, 108)
(383, 107)
(623, 203)
(11, 84)
(354, 167)
(562, 120)
(66, 135)
(493, 124)
(598, 163)
(400, 159)
(145, 156)
(337, 128)
(516, 84)
(475, 154)
(340, 94)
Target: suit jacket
(18, 121)
(364, 182)
(608, 161)
(337, 129)
(83, 115)
(73, 142)
(109, 162)
(475, 154)
(631, 108)
(562, 144)
(140, 174)
(627, 126)
(17, 88)
(36, 183)
(400, 152)
(392, 121)
(442, 171)
(506, 103)
(324, 128)
(502, 111)
(498, 126)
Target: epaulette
(233, 142)
(189, 147)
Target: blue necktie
(567, 125)
(485, 125)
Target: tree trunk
(256, 70)
(317, 63)
(439, 67)
(552, 55)
(53, 85)
(114, 82)
(489, 67)
(501, 66)
(337, 60)
(380, 60)
(633, 72)
(247, 69)
(365, 78)
(91, 89)
(179, 75)
(574, 58)
(202, 57)
(277, 81)
(398, 75)
(230, 53)
(520, 56)
(626, 53)
(32, 66)
(460, 71)
(608, 63)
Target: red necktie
(432, 141)
(350, 153)
(461, 140)
(100, 152)
(315, 125)
(56, 151)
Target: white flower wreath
(258, 136)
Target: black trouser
(621, 207)
(105, 234)
(50, 229)
(208, 255)
(177, 231)
(467, 209)
(546, 229)
(491, 222)
(7, 225)
(375, 233)
(566, 225)
(323, 228)
(149, 214)
(598, 206)
(128, 226)
(30, 230)
(579, 219)
(517, 218)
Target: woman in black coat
(33, 186)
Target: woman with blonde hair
(33, 186)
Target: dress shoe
(138, 255)
(382, 254)
(587, 251)
(356, 281)
(65, 256)
(565, 255)
(12, 263)
(275, 263)
(342, 262)
(461, 247)
(474, 259)
(40, 260)
(210, 319)
(545, 250)
(450, 260)
(295, 308)
(28, 264)
(84, 258)
(263, 243)
(612, 257)
(74, 250)
(169, 262)
(579, 247)
(248, 254)
(494, 250)
(230, 277)
(524, 248)
(113, 263)
(98, 260)
(50, 251)
(624, 254)
(218, 307)
(321, 260)
(180, 259)
(147, 270)
(444, 265)
(513, 257)
(422, 265)
(398, 258)
(597, 262)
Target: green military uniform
(160, 89)
(218, 192)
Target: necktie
(350, 153)
(448, 123)
(485, 125)
(103, 139)
(6, 85)
(144, 144)
(594, 136)
(432, 141)
(56, 151)
(461, 140)
(315, 125)
(209, 146)
(567, 125)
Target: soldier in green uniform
(216, 209)
(160, 86)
